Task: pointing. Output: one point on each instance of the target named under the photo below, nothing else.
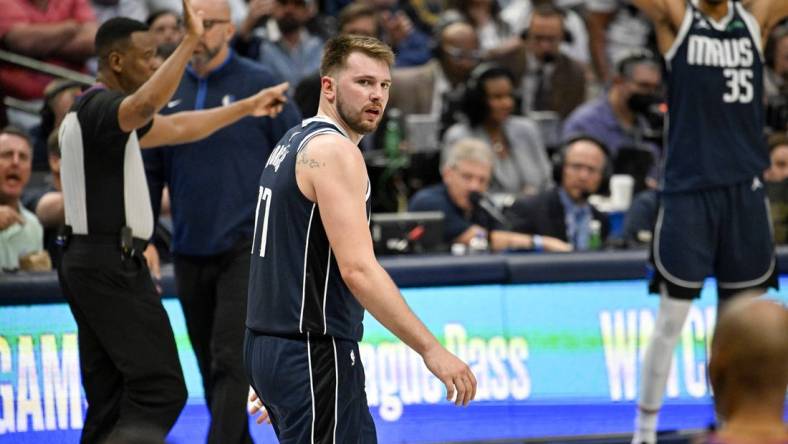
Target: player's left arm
(189, 126)
(768, 13)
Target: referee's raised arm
(138, 109)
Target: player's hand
(192, 20)
(453, 373)
(270, 101)
(255, 405)
(9, 216)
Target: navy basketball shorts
(723, 232)
(313, 388)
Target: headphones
(548, 9)
(474, 99)
(559, 157)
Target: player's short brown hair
(337, 50)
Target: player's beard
(354, 119)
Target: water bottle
(595, 235)
(392, 137)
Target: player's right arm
(138, 109)
(331, 172)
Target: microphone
(482, 201)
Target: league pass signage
(545, 356)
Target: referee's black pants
(212, 290)
(128, 360)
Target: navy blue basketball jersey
(715, 109)
(294, 282)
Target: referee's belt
(137, 245)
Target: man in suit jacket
(550, 80)
(564, 212)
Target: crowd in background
(561, 95)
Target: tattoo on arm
(307, 162)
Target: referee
(129, 362)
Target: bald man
(749, 372)
(210, 182)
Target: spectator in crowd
(521, 164)
(60, 32)
(620, 117)
(359, 18)
(575, 44)
(466, 176)
(211, 249)
(778, 155)
(284, 45)
(106, 9)
(59, 95)
(615, 29)
(436, 87)
(484, 16)
(142, 9)
(165, 27)
(550, 80)
(748, 370)
(47, 203)
(564, 212)
(410, 44)
(777, 186)
(777, 62)
(20, 232)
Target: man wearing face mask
(620, 117)
(548, 79)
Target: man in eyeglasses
(210, 182)
(564, 211)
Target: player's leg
(682, 256)
(280, 372)
(747, 264)
(354, 422)
(656, 364)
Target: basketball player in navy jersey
(313, 269)
(713, 219)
